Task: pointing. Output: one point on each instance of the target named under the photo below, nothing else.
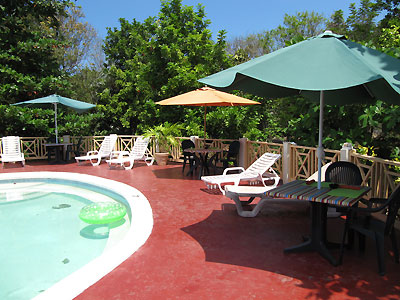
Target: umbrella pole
(320, 149)
(205, 112)
(55, 121)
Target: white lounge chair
(139, 152)
(11, 151)
(261, 170)
(95, 157)
(236, 192)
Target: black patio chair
(74, 148)
(366, 225)
(343, 172)
(187, 156)
(231, 156)
(51, 151)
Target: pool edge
(142, 217)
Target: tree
(83, 44)
(83, 57)
(360, 26)
(248, 47)
(392, 9)
(296, 28)
(29, 36)
(154, 60)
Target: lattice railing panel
(304, 161)
(125, 142)
(33, 147)
(222, 144)
(256, 149)
(380, 174)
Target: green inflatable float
(102, 212)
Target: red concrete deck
(201, 249)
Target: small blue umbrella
(78, 106)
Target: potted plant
(165, 137)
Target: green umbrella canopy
(78, 106)
(348, 73)
(327, 68)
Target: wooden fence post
(243, 152)
(345, 152)
(285, 176)
(194, 138)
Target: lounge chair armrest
(95, 152)
(241, 169)
(119, 154)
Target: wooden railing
(256, 149)
(33, 147)
(222, 144)
(380, 174)
(304, 161)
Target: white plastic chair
(139, 152)
(106, 148)
(12, 150)
(260, 171)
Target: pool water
(42, 238)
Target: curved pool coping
(140, 230)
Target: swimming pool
(106, 254)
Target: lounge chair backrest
(11, 146)
(108, 144)
(140, 146)
(262, 164)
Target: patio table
(58, 150)
(344, 196)
(204, 159)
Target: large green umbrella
(327, 68)
(78, 106)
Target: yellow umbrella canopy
(207, 96)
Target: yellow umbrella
(207, 96)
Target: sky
(238, 18)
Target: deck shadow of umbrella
(229, 239)
(258, 243)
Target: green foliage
(86, 84)
(236, 121)
(165, 135)
(295, 28)
(159, 58)
(389, 40)
(24, 121)
(28, 64)
(31, 122)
